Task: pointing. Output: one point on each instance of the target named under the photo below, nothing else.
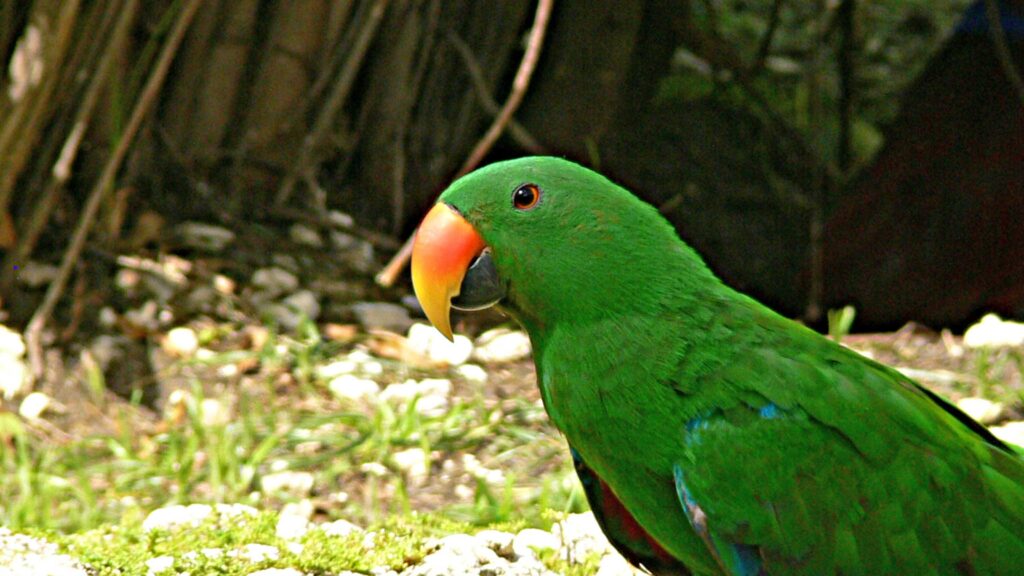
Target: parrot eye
(526, 196)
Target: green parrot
(711, 435)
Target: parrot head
(547, 240)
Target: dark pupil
(524, 196)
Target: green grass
(88, 482)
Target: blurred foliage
(893, 41)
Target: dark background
(817, 154)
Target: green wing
(810, 459)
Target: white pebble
(291, 527)
(427, 341)
(613, 564)
(159, 564)
(502, 345)
(293, 482)
(531, 539)
(259, 552)
(983, 410)
(33, 406)
(181, 342)
(472, 373)
(414, 463)
(215, 412)
(994, 332)
(170, 517)
(353, 388)
(1011, 432)
(339, 528)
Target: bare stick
(33, 332)
(995, 27)
(335, 100)
(387, 276)
(516, 130)
(61, 171)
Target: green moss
(557, 563)
(123, 549)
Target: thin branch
(336, 99)
(846, 61)
(515, 130)
(33, 332)
(998, 34)
(61, 170)
(765, 47)
(387, 276)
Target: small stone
(427, 341)
(291, 527)
(37, 274)
(382, 316)
(286, 261)
(204, 236)
(613, 564)
(1010, 432)
(303, 509)
(340, 219)
(431, 395)
(374, 469)
(144, 317)
(286, 317)
(353, 388)
(343, 240)
(497, 540)
(22, 555)
(994, 332)
(414, 463)
(215, 413)
(472, 373)
(337, 368)
(359, 257)
(474, 468)
(11, 342)
(14, 375)
(293, 482)
(581, 535)
(529, 540)
(181, 342)
(982, 410)
(339, 528)
(171, 517)
(224, 285)
(33, 406)
(372, 368)
(463, 492)
(202, 299)
(305, 236)
(305, 303)
(259, 552)
(159, 564)
(340, 332)
(502, 345)
(273, 282)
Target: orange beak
(444, 247)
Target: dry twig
(1003, 54)
(313, 141)
(61, 171)
(33, 332)
(515, 130)
(387, 276)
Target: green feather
(817, 459)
